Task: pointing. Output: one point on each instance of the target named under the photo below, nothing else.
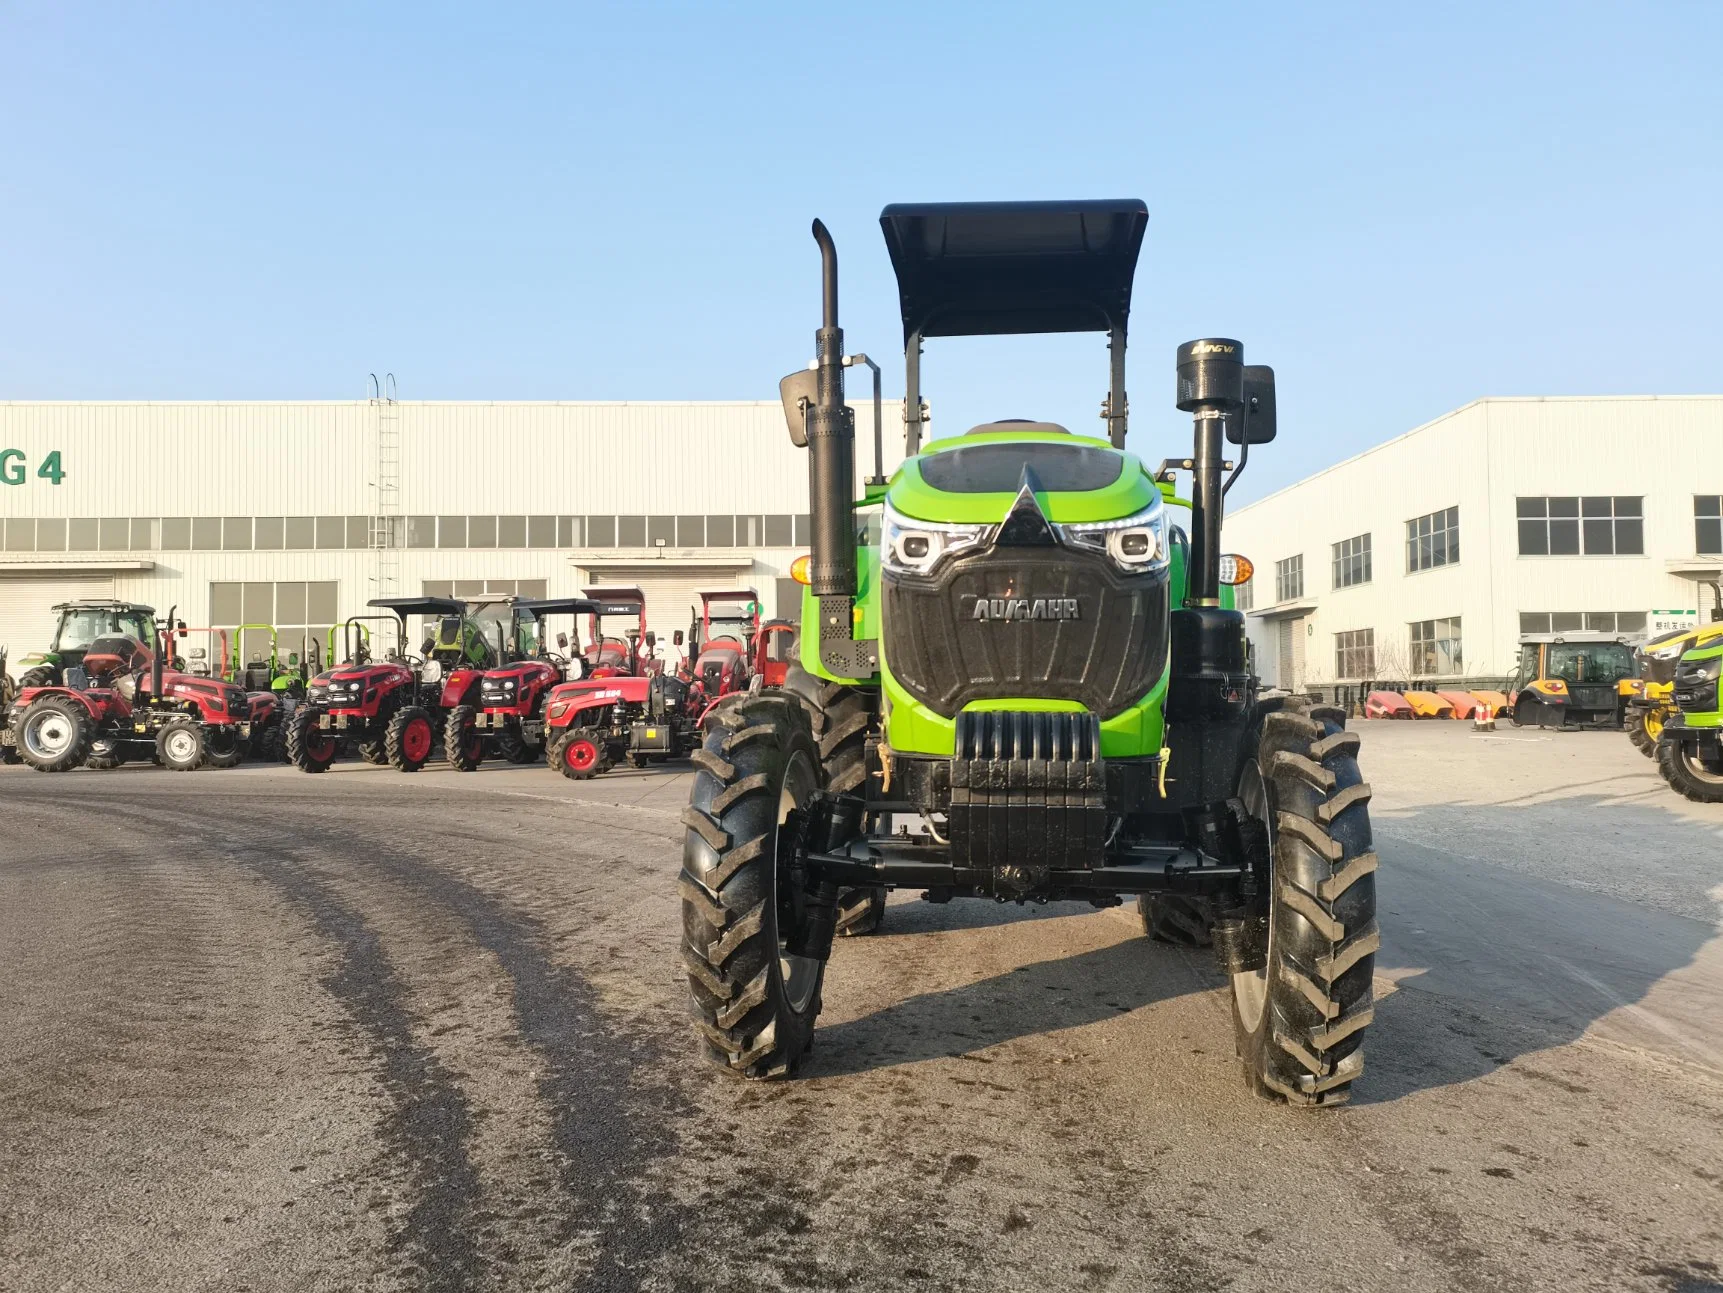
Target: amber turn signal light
(799, 568)
(1235, 570)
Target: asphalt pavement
(261, 1030)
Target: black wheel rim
(800, 974)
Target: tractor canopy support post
(912, 395)
(1118, 409)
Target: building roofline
(1454, 413)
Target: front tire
(105, 754)
(1645, 727)
(54, 734)
(225, 747)
(409, 739)
(1300, 1018)
(181, 746)
(463, 747)
(578, 753)
(309, 747)
(755, 939)
(1688, 774)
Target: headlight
(1706, 670)
(1669, 652)
(509, 684)
(916, 547)
(433, 671)
(1137, 544)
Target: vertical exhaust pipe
(1211, 389)
(831, 457)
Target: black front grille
(1592, 697)
(1054, 624)
(1695, 687)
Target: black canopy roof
(405, 606)
(539, 607)
(981, 268)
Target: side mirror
(427, 646)
(676, 637)
(562, 640)
(799, 390)
(1256, 426)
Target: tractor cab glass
(79, 628)
(1583, 662)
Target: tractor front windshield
(1591, 661)
(79, 628)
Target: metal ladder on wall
(387, 523)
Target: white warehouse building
(1424, 559)
(296, 514)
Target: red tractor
(120, 701)
(589, 723)
(392, 709)
(506, 717)
(774, 651)
(647, 716)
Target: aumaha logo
(1026, 608)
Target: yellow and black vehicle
(1572, 680)
(1653, 703)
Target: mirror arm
(1243, 457)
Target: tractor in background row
(392, 710)
(1690, 743)
(506, 717)
(720, 639)
(117, 699)
(1572, 680)
(8, 693)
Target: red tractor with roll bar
(720, 638)
(506, 716)
(120, 699)
(392, 709)
(590, 722)
(774, 650)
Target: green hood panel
(1130, 491)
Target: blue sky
(1400, 211)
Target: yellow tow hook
(1166, 760)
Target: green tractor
(1690, 746)
(1011, 651)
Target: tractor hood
(977, 478)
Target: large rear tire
(410, 738)
(755, 939)
(1300, 1017)
(42, 675)
(54, 734)
(309, 748)
(841, 717)
(1688, 774)
(463, 747)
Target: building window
(270, 534)
(115, 533)
(601, 531)
(1355, 654)
(804, 530)
(359, 531)
(331, 532)
(481, 531)
(301, 532)
(1289, 578)
(451, 531)
(236, 533)
(1708, 524)
(206, 534)
(571, 531)
(1436, 648)
(780, 532)
(660, 531)
(421, 531)
(511, 531)
(691, 532)
(631, 531)
(466, 588)
(20, 535)
(721, 531)
(1352, 562)
(1244, 595)
(300, 612)
(541, 532)
(1601, 525)
(1623, 622)
(1433, 540)
(176, 533)
(748, 532)
(51, 535)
